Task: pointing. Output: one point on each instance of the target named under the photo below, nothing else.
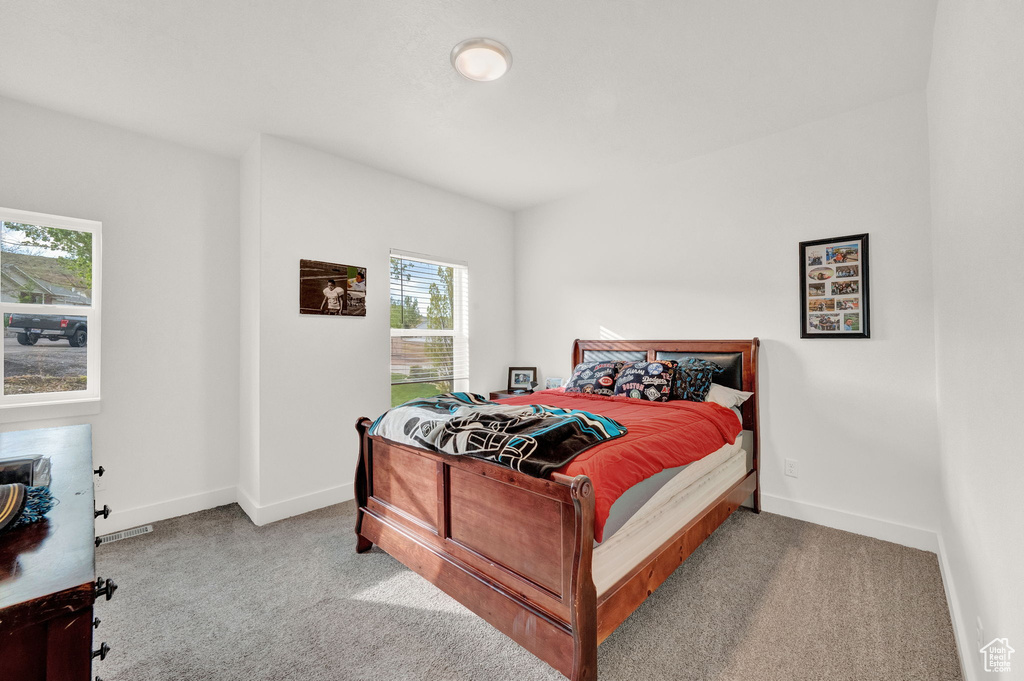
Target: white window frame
(460, 312)
(15, 407)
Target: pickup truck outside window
(28, 329)
(50, 300)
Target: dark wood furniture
(518, 550)
(503, 394)
(47, 569)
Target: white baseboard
(965, 644)
(250, 507)
(142, 515)
(906, 535)
(260, 515)
(264, 515)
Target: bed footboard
(514, 549)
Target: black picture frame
(834, 288)
(521, 385)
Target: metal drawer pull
(98, 541)
(105, 512)
(105, 588)
(96, 622)
(99, 471)
(102, 652)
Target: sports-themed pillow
(693, 379)
(651, 381)
(595, 378)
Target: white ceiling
(597, 88)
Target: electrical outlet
(791, 468)
(980, 630)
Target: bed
(520, 552)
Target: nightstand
(504, 394)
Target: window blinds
(429, 323)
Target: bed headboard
(737, 357)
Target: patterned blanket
(533, 439)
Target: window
(50, 300)
(429, 327)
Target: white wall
(317, 375)
(707, 248)
(167, 432)
(976, 120)
(250, 231)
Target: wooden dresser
(47, 569)
(505, 394)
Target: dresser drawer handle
(96, 622)
(105, 588)
(102, 652)
(105, 512)
(99, 471)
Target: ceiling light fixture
(481, 59)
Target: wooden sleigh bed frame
(517, 550)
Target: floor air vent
(125, 534)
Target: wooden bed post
(362, 482)
(583, 609)
(755, 423)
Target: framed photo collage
(834, 288)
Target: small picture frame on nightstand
(521, 379)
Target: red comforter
(661, 435)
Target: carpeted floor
(210, 596)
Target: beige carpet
(210, 596)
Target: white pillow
(727, 397)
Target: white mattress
(680, 500)
(633, 499)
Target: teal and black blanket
(533, 439)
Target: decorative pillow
(727, 397)
(651, 381)
(693, 379)
(595, 378)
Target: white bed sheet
(670, 508)
(633, 499)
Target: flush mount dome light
(481, 59)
